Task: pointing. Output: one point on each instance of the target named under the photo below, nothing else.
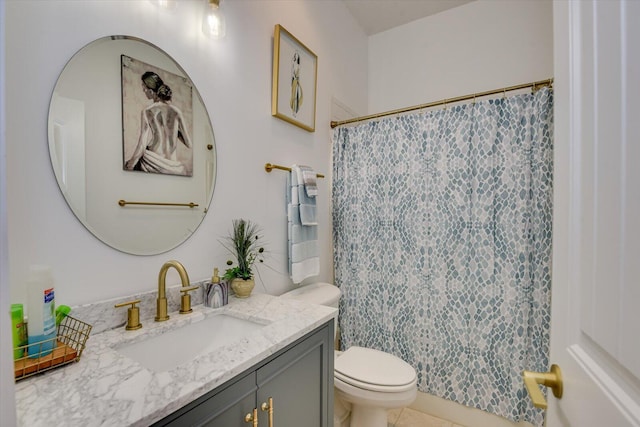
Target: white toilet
(367, 382)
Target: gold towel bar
(269, 167)
(124, 203)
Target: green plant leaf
(243, 244)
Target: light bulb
(165, 4)
(213, 23)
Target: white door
(595, 331)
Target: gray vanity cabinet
(297, 384)
(298, 380)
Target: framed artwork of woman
(157, 119)
(293, 93)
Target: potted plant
(243, 244)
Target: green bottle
(18, 330)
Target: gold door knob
(252, 417)
(551, 379)
(268, 407)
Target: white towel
(304, 260)
(308, 177)
(301, 194)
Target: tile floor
(406, 417)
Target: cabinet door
(226, 408)
(300, 383)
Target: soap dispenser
(224, 287)
(216, 292)
(210, 288)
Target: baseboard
(460, 414)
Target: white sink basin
(178, 346)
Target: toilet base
(341, 412)
(369, 408)
(368, 416)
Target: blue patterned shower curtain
(442, 240)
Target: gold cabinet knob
(133, 315)
(252, 417)
(552, 379)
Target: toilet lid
(316, 293)
(366, 366)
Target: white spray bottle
(41, 311)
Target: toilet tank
(316, 293)
(319, 293)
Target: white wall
(480, 46)
(7, 401)
(234, 79)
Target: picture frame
(150, 91)
(295, 79)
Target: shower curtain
(442, 245)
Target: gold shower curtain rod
(533, 85)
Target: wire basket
(65, 348)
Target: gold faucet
(161, 302)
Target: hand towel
(307, 203)
(308, 177)
(304, 260)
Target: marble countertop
(105, 388)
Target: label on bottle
(49, 312)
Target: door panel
(630, 317)
(596, 266)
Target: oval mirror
(132, 145)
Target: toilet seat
(374, 370)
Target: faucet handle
(185, 300)
(133, 314)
